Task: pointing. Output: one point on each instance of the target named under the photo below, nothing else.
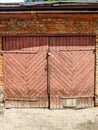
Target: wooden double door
(49, 72)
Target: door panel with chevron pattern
(71, 69)
(25, 77)
(72, 74)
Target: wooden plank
(25, 77)
(71, 72)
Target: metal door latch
(50, 54)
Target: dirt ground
(44, 119)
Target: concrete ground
(44, 119)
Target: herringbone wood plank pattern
(25, 76)
(70, 68)
(72, 74)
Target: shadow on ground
(88, 125)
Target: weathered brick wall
(49, 23)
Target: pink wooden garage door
(72, 66)
(25, 77)
(55, 72)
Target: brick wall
(48, 25)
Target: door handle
(50, 54)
